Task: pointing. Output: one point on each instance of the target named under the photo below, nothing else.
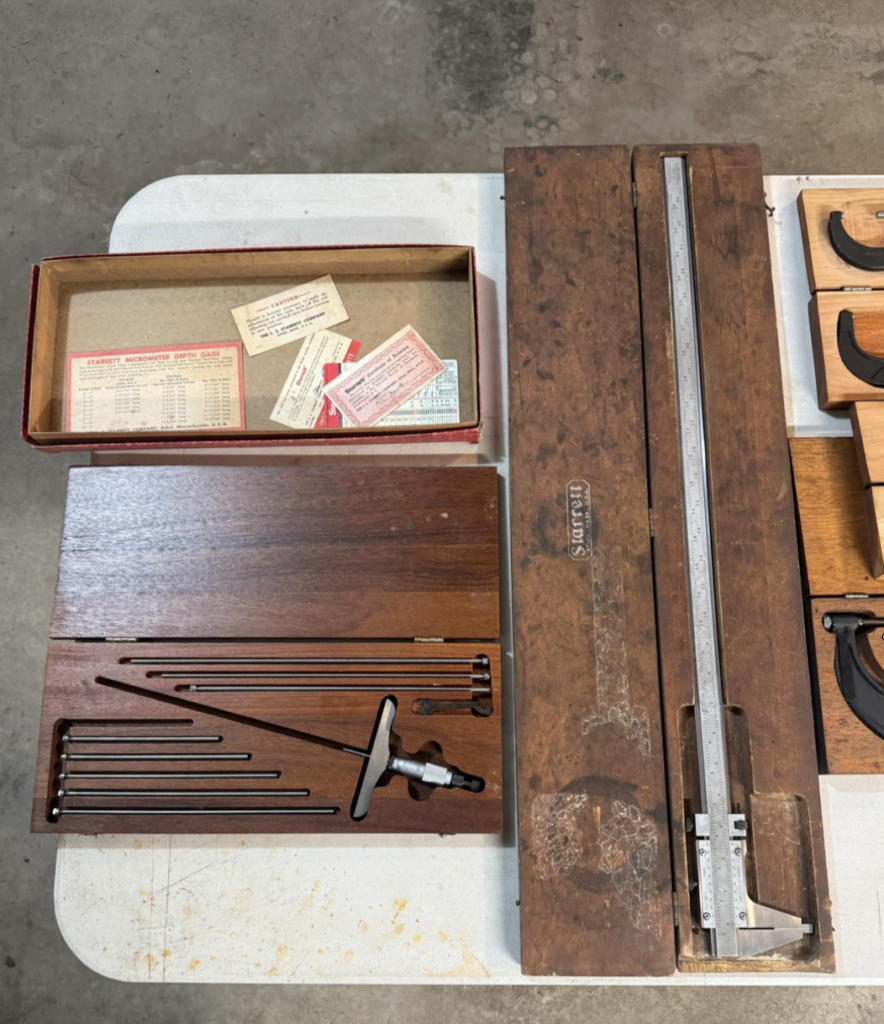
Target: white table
(407, 908)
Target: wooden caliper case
(308, 596)
(607, 764)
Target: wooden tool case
(374, 581)
(608, 867)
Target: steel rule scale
(737, 926)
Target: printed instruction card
(183, 387)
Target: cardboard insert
(90, 303)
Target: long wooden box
(601, 609)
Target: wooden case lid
(267, 552)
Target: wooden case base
(75, 704)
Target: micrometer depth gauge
(737, 926)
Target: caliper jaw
(759, 929)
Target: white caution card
(289, 315)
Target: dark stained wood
(763, 654)
(593, 835)
(279, 552)
(851, 748)
(470, 743)
(829, 494)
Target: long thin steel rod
(475, 677)
(156, 757)
(67, 738)
(58, 812)
(368, 688)
(169, 775)
(230, 716)
(480, 659)
(69, 793)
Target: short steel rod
(58, 812)
(168, 775)
(71, 793)
(155, 757)
(68, 738)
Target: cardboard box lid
(224, 552)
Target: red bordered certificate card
(385, 379)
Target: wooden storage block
(860, 206)
(873, 508)
(829, 493)
(362, 578)
(867, 419)
(836, 385)
(850, 747)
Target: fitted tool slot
(271, 735)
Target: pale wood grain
(825, 268)
(873, 508)
(829, 493)
(837, 387)
(867, 419)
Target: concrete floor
(100, 98)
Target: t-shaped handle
(379, 758)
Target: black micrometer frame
(863, 692)
(869, 369)
(863, 257)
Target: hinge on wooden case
(429, 640)
(634, 197)
(651, 521)
(856, 597)
(856, 288)
(675, 908)
(121, 640)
